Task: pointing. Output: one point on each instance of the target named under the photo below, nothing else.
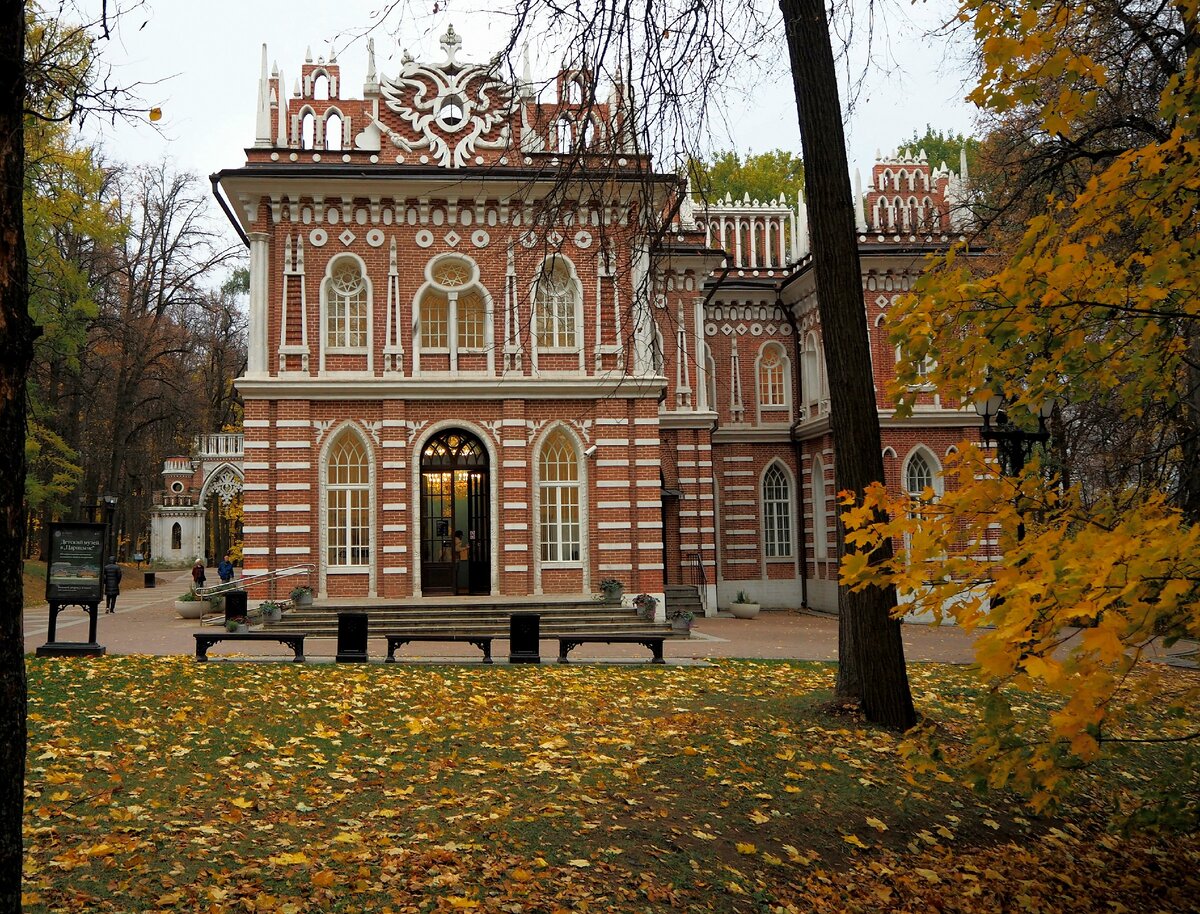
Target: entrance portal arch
(455, 515)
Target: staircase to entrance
(478, 615)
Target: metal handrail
(306, 568)
(695, 566)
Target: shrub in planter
(236, 624)
(190, 606)
(271, 611)
(302, 595)
(612, 590)
(645, 605)
(742, 607)
(681, 619)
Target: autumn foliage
(1087, 293)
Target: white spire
(308, 54)
(281, 138)
(860, 219)
(371, 86)
(262, 132)
(962, 163)
(526, 74)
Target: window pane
(435, 321)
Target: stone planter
(238, 629)
(274, 614)
(744, 610)
(681, 625)
(304, 599)
(612, 596)
(191, 609)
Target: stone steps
(567, 617)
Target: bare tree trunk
(16, 354)
(865, 618)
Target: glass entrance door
(455, 520)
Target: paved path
(145, 623)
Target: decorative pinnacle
(450, 45)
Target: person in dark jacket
(225, 570)
(197, 575)
(112, 584)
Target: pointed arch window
(772, 377)
(820, 511)
(176, 536)
(348, 503)
(777, 513)
(333, 131)
(555, 302)
(918, 475)
(345, 306)
(558, 500)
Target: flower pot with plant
(190, 606)
(645, 605)
(613, 590)
(271, 611)
(681, 619)
(302, 595)
(742, 607)
(236, 624)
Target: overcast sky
(205, 60)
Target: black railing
(693, 574)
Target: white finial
(860, 220)
(296, 87)
(262, 131)
(450, 45)
(526, 74)
(281, 136)
(962, 162)
(308, 54)
(275, 69)
(371, 84)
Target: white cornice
(448, 387)
(701, 420)
(752, 434)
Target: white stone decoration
(317, 237)
(480, 238)
(346, 237)
(227, 486)
(710, 330)
(554, 239)
(375, 238)
(583, 240)
(529, 239)
(453, 108)
(756, 329)
(423, 238)
(452, 238)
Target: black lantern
(1012, 443)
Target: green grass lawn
(163, 784)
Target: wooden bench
(568, 643)
(483, 642)
(205, 640)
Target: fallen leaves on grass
(160, 784)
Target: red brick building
(476, 366)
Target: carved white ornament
(227, 486)
(423, 238)
(480, 238)
(583, 240)
(317, 238)
(452, 107)
(375, 238)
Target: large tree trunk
(16, 354)
(865, 618)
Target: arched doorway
(455, 549)
(221, 499)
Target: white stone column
(256, 349)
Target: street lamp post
(1012, 443)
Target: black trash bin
(524, 632)
(149, 578)
(352, 637)
(235, 604)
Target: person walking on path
(112, 584)
(225, 570)
(197, 575)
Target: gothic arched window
(348, 503)
(777, 513)
(558, 500)
(345, 305)
(772, 377)
(819, 511)
(918, 475)
(176, 536)
(555, 300)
